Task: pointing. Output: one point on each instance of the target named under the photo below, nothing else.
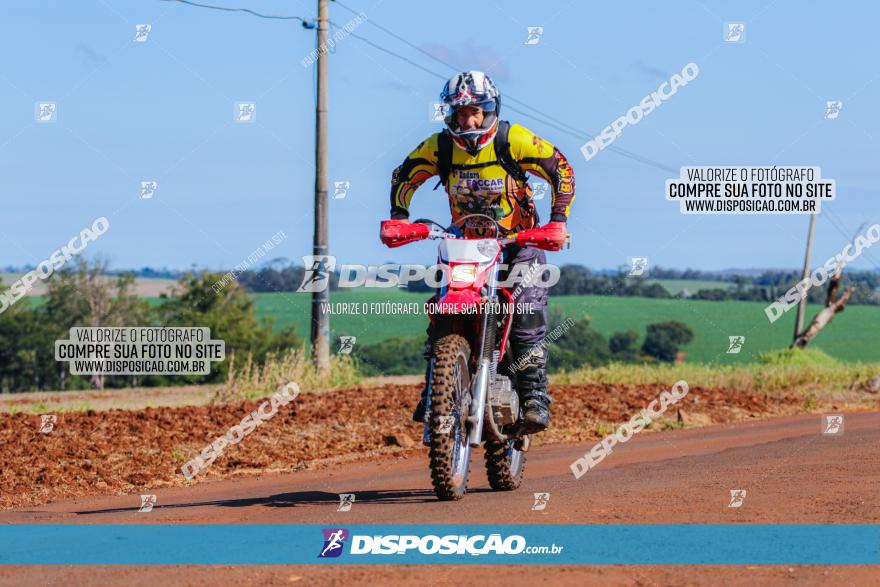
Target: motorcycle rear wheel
(450, 452)
(505, 465)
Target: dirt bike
(471, 395)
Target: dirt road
(124, 451)
(791, 472)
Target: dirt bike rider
(493, 181)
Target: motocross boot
(418, 414)
(531, 385)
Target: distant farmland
(146, 287)
(674, 286)
(852, 336)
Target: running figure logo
(540, 191)
(317, 275)
(46, 111)
(141, 32)
(638, 266)
(833, 424)
(541, 501)
(832, 109)
(245, 112)
(736, 344)
(47, 423)
(346, 500)
(334, 540)
(147, 503)
(439, 111)
(534, 35)
(737, 497)
(734, 32)
(148, 189)
(346, 345)
(446, 423)
(340, 189)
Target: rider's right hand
(395, 233)
(551, 237)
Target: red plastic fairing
(459, 301)
(395, 233)
(550, 237)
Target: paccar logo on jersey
(473, 545)
(334, 540)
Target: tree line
(88, 296)
(579, 280)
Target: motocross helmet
(471, 88)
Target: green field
(851, 336)
(674, 286)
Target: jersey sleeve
(538, 157)
(419, 165)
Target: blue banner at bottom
(453, 544)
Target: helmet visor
(487, 106)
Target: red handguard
(550, 237)
(395, 233)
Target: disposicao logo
(334, 540)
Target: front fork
(486, 365)
(479, 392)
(483, 377)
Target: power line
(547, 119)
(306, 23)
(401, 39)
(560, 125)
(441, 76)
(449, 65)
(431, 72)
(537, 115)
(618, 150)
(840, 226)
(392, 53)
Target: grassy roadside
(246, 380)
(807, 372)
(775, 371)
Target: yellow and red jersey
(479, 184)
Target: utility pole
(802, 305)
(320, 331)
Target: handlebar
(396, 233)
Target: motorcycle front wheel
(450, 452)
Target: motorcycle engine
(503, 401)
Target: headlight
(463, 273)
(489, 248)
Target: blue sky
(163, 110)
